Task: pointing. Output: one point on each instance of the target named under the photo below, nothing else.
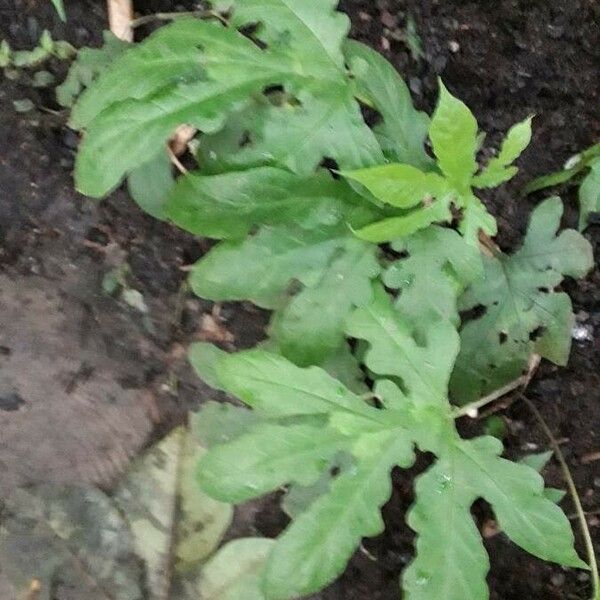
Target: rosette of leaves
(274, 92)
(303, 420)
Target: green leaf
(453, 133)
(273, 386)
(589, 195)
(395, 228)
(516, 493)
(170, 518)
(311, 327)
(118, 138)
(499, 169)
(60, 9)
(260, 268)
(315, 548)
(522, 312)
(267, 457)
(235, 572)
(451, 562)
(150, 184)
(168, 56)
(436, 265)
(229, 205)
(402, 186)
(217, 422)
(204, 357)
(476, 218)
(404, 130)
(325, 122)
(537, 461)
(311, 30)
(296, 271)
(423, 367)
(90, 63)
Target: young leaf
(398, 227)
(499, 169)
(402, 186)
(523, 314)
(589, 194)
(404, 130)
(60, 9)
(453, 133)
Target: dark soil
(86, 380)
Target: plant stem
(585, 530)
(495, 395)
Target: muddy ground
(87, 381)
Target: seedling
(301, 191)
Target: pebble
(454, 46)
(583, 333)
(558, 579)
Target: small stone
(583, 333)
(385, 44)
(388, 19)
(365, 17)
(453, 46)
(558, 579)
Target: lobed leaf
(499, 169)
(315, 548)
(436, 264)
(424, 368)
(523, 314)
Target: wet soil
(87, 380)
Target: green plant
(60, 9)
(302, 191)
(587, 163)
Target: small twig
(120, 16)
(585, 530)
(472, 409)
(175, 160)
